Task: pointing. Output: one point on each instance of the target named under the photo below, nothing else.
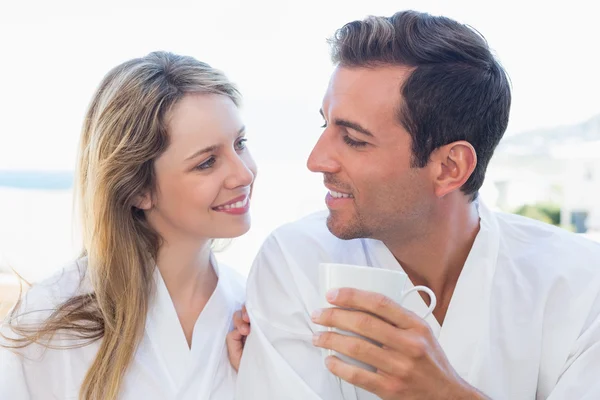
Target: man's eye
(353, 143)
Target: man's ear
(453, 165)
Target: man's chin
(345, 230)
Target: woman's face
(204, 178)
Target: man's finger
(361, 350)
(370, 381)
(375, 303)
(361, 323)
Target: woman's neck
(190, 280)
(186, 270)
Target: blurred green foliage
(545, 212)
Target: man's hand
(237, 337)
(410, 364)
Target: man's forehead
(382, 79)
(368, 91)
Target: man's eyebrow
(349, 124)
(354, 126)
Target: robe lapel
(210, 331)
(166, 336)
(469, 309)
(381, 257)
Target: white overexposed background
(54, 53)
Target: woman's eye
(206, 164)
(241, 144)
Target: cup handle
(429, 293)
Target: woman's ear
(143, 201)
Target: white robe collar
(167, 338)
(469, 308)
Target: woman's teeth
(239, 204)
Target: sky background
(54, 54)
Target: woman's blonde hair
(124, 131)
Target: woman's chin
(232, 232)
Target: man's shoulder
(557, 249)
(309, 235)
(293, 252)
(310, 226)
(234, 282)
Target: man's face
(365, 154)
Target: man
(413, 113)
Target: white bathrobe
(523, 323)
(164, 367)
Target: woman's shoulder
(42, 298)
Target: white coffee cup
(383, 281)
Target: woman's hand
(237, 337)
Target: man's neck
(436, 258)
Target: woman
(163, 169)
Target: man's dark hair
(457, 90)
